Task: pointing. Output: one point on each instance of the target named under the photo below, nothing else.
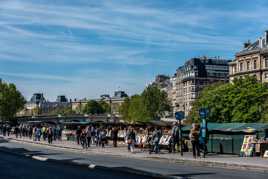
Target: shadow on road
(190, 175)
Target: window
(266, 62)
(255, 64)
(248, 65)
(241, 66)
(266, 75)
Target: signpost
(203, 113)
(179, 116)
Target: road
(23, 167)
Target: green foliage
(155, 101)
(64, 111)
(93, 107)
(150, 105)
(244, 100)
(124, 108)
(137, 112)
(105, 106)
(11, 101)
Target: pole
(180, 138)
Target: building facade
(38, 105)
(193, 76)
(252, 60)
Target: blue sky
(85, 48)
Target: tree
(155, 101)
(124, 109)
(244, 100)
(64, 111)
(150, 105)
(137, 112)
(11, 101)
(93, 107)
(105, 106)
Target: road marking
(43, 159)
(91, 166)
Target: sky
(85, 48)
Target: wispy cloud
(111, 39)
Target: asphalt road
(12, 166)
(22, 167)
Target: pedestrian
(175, 138)
(194, 138)
(102, 137)
(16, 131)
(88, 136)
(83, 139)
(50, 135)
(114, 136)
(131, 139)
(78, 135)
(93, 135)
(155, 140)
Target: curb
(213, 164)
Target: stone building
(193, 76)
(252, 60)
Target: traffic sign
(179, 115)
(203, 112)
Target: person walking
(131, 138)
(194, 138)
(175, 138)
(83, 139)
(16, 131)
(155, 140)
(78, 135)
(114, 136)
(103, 135)
(88, 136)
(50, 135)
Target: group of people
(36, 133)
(91, 135)
(99, 136)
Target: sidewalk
(212, 160)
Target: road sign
(179, 115)
(203, 112)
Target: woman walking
(194, 137)
(131, 138)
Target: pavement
(141, 163)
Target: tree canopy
(94, 107)
(11, 101)
(243, 100)
(150, 105)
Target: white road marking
(91, 166)
(43, 159)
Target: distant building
(252, 60)
(193, 76)
(115, 102)
(163, 82)
(39, 105)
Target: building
(162, 82)
(193, 76)
(114, 101)
(252, 60)
(38, 105)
